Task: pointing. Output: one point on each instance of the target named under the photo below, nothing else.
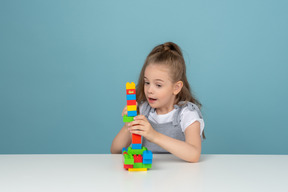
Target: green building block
(138, 165)
(148, 166)
(136, 151)
(127, 119)
(128, 159)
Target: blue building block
(131, 113)
(124, 149)
(145, 161)
(136, 146)
(131, 97)
(147, 155)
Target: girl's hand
(124, 112)
(141, 126)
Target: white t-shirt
(187, 117)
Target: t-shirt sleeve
(188, 117)
(141, 108)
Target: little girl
(170, 120)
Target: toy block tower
(136, 158)
(132, 112)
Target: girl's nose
(150, 89)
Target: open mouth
(151, 100)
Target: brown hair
(170, 55)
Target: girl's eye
(146, 83)
(159, 85)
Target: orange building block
(136, 139)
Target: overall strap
(180, 106)
(146, 109)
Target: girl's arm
(122, 139)
(188, 150)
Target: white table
(104, 172)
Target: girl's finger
(124, 112)
(136, 127)
(139, 117)
(137, 132)
(136, 122)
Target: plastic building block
(138, 165)
(124, 149)
(137, 169)
(130, 85)
(130, 91)
(132, 108)
(131, 97)
(131, 102)
(147, 154)
(131, 113)
(148, 166)
(136, 146)
(136, 151)
(147, 157)
(128, 166)
(147, 161)
(128, 158)
(138, 158)
(136, 139)
(127, 119)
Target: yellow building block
(130, 85)
(137, 169)
(131, 108)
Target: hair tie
(166, 47)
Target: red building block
(128, 166)
(130, 91)
(131, 102)
(138, 158)
(136, 139)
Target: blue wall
(64, 65)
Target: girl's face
(159, 89)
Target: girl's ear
(177, 87)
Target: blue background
(64, 65)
